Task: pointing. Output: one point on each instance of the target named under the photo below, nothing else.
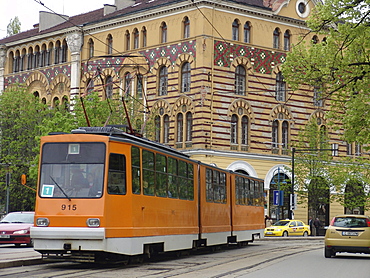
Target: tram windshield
(72, 170)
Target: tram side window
(183, 184)
(173, 190)
(215, 186)
(161, 175)
(190, 181)
(117, 174)
(251, 199)
(148, 173)
(209, 187)
(135, 161)
(239, 185)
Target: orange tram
(105, 195)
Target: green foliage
(20, 116)
(14, 27)
(24, 119)
(312, 161)
(338, 66)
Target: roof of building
(98, 15)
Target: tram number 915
(69, 207)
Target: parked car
(288, 228)
(347, 233)
(15, 228)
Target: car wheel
(285, 234)
(328, 252)
(17, 244)
(305, 234)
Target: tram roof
(115, 132)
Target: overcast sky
(28, 10)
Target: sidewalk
(20, 256)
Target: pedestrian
(317, 225)
(310, 223)
(268, 221)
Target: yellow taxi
(347, 233)
(288, 228)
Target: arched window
(315, 39)
(185, 77)
(166, 129)
(43, 56)
(235, 30)
(163, 32)
(143, 37)
(57, 50)
(64, 51)
(127, 39)
(284, 135)
(189, 126)
(36, 60)
(30, 58)
(280, 135)
(247, 32)
(109, 44)
(157, 123)
(186, 27)
(163, 81)
(139, 86)
(287, 40)
(136, 38)
(109, 86)
(280, 87)
(240, 80)
(234, 129)
(245, 130)
(49, 57)
(91, 48)
(90, 85)
(275, 132)
(23, 60)
(127, 84)
(276, 38)
(16, 61)
(317, 97)
(180, 126)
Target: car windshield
(72, 170)
(18, 218)
(281, 223)
(350, 222)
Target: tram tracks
(231, 262)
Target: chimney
(121, 4)
(108, 9)
(48, 20)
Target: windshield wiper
(60, 188)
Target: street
(285, 258)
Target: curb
(24, 262)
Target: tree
(20, 115)
(312, 168)
(339, 66)
(14, 27)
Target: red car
(15, 228)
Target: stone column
(2, 67)
(75, 42)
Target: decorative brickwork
(262, 61)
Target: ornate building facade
(209, 70)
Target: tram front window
(72, 170)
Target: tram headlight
(93, 222)
(42, 222)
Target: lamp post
(294, 150)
